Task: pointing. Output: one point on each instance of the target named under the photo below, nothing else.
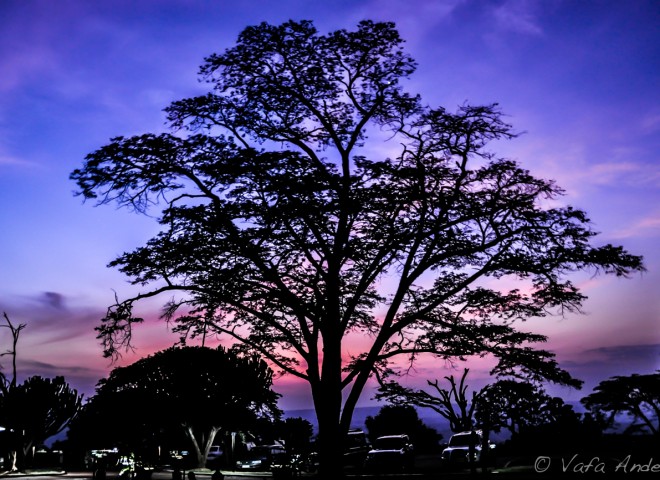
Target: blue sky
(580, 78)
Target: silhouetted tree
(37, 409)
(563, 431)
(34, 410)
(636, 395)
(402, 420)
(295, 433)
(196, 390)
(515, 406)
(15, 331)
(453, 404)
(293, 233)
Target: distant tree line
(537, 422)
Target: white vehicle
(391, 452)
(458, 449)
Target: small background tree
(296, 434)
(637, 396)
(181, 392)
(537, 422)
(6, 383)
(403, 420)
(452, 404)
(32, 411)
(37, 409)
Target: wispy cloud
(35, 367)
(29, 39)
(57, 321)
(413, 20)
(619, 353)
(518, 16)
(650, 123)
(645, 227)
(60, 332)
(582, 171)
(626, 172)
(640, 358)
(7, 160)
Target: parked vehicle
(103, 458)
(357, 448)
(291, 465)
(458, 450)
(260, 458)
(214, 456)
(391, 452)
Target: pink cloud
(645, 227)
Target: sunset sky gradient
(580, 78)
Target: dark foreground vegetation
(149, 419)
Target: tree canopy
(635, 395)
(287, 229)
(37, 409)
(193, 391)
(516, 406)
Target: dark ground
(428, 467)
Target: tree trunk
(201, 451)
(13, 458)
(327, 402)
(472, 453)
(485, 449)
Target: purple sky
(580, 78)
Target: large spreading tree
(192, 392)
(288, 225)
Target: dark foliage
(35, 410)
(636, 395)
(178, 393)
(403, 420)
